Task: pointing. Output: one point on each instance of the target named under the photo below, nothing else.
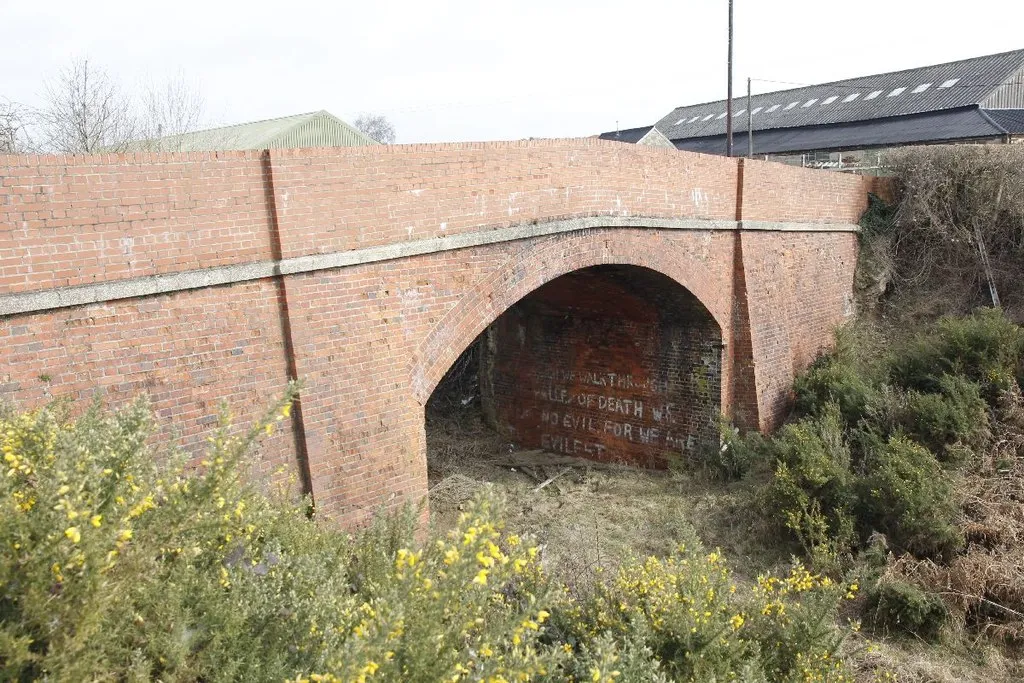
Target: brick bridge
(624, 295)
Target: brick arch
(547, 259)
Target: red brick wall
(371, 341)
(368, 196)
(79, 220)
(779, 192)
(610, 363)
(187, 352)
(799, 289)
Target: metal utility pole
(728, 98)
(750, 124)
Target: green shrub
(110, 565)
(985, 347)
(900, 608)
(957, 414)
(114, 568)
(833, 379)
(700, 626)
(736, 453)
(951, 422)
(906, 495)
(811, 490)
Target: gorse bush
(811, 489)
(899, 607)
(115, 568)
(872, 436)
(699, 626)
(905, 495)
(845, 377)
(880, 444)
(948, 422)
(985, 347)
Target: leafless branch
(86, 112)
(169, 110)
(377, 127)
(959, 227)
(13, 128)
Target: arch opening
(612, 363)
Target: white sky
(483, 70)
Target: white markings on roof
(756, 109)
(830, 100)
(694, 119)
(921, 88)
(679, 122)
(708, 117)
(810, 102)
(896, 92)
(772, 108)
(722, 115)
(790, 106)
(851, 97)
(741, 111)
(873, 94)
(950, 83)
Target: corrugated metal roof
(631, 135)
(313, 129)
(912, 91)
(1010, 120)
(932, 127)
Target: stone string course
(201, 277)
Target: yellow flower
(481, 577)
(96, 520)
(73, 533)
(736, 622)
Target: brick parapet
(383, 265)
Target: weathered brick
(372, 341)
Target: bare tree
(376, 127)
(168, 110)
(86, 111)
(957, 236)
(13, 129)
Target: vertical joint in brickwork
(743, 409)
(739, 189)
(277, 252)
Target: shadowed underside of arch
(708, 279)
(595, 348)
(613, 363)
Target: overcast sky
(487, 71)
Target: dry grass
(984, 587)
(587, 518)
(922, 663)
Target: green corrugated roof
(315, 129)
